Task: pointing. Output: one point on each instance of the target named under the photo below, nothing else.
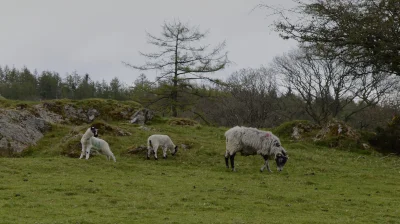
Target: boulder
(20, 128)
(142, 116)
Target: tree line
(22, 84)
(252, 97)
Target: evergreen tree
(181, 58)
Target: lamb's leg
(266, 164)
(233, 162)
(155, 148)
(83, 152)
(227, 159)
(164, 152)
(87, 152)
(148, 152)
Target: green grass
(318, 184)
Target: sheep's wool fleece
(251, 141)
(163, 140)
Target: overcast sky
(94, 36)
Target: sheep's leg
(232, 157)
(155, 147)
(266, 164)
(87, 152)
(149, 149)
(83, 152)
(227, 159)
(164, 152)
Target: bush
(388, 139)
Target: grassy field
(318, 185)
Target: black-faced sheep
(155, 141)
(251, 141)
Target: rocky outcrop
(23, 125)
(19, 129)
(79, 114)
(142, 116)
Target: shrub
(388, 139)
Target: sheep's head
(94, 131)
(281, 157)
(175, 150)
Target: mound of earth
(182, 122)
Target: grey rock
(20, 128)
(142, 116)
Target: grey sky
(94, 36)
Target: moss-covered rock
(107, 129)
(305, 129)
(334, 134)
(87, 110)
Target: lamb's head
(174, 150)
(281, 157)
(94, 131)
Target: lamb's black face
(175, 150)
(280, 161)
(94, 131)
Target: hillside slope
(318, 184)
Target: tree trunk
(174, 92)
(174, 97)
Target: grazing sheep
(154, 141)
(89, 141)
(251, 141)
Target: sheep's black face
(94, 131)
(175, 150)
(281, 161)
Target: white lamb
(89, 141)
(155, 141)
(251, 141)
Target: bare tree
(250, 98)
(181, 58)
(328, 86)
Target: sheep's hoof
(261, 170)
(233, 170)
(156, 158)
(148, 157)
